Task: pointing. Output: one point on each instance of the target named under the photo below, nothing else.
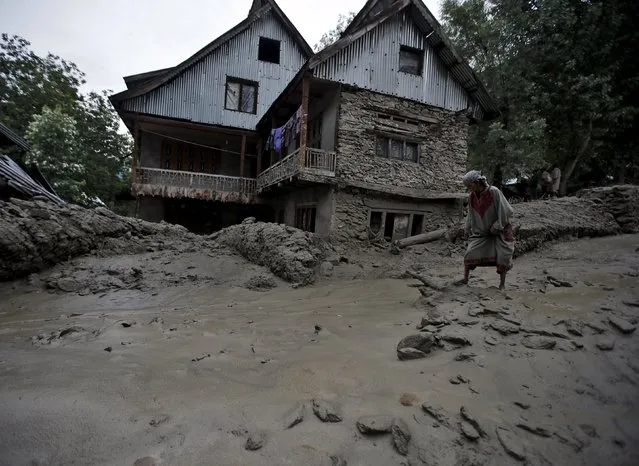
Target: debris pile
(291, 254)
(621, 201)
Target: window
(397, 119)
(269, 50)
(241, 95)
(375, 223)
(416, 227)
(305, 218)
(397, 149)
(410, 60)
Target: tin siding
(372, 62)
(198, 93)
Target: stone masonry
(443, 145)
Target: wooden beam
(306, 85)
(260, 149)
(242, 155)
(188, 125)
(136, 150)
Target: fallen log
(426, 281)
(421, 238)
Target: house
(365, 139)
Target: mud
(171, 370)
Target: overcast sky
(109, 39)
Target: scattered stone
(606, 344)
(511, 321)
(465, 414)
(454, 381)
(326, 269)
(504, 328)
(453, 339)
(255, 441)
(619, 442)
(127, 324)
(558, 283)
(374, 425)
(622, 325)
(492, 341)
(597, 329)
(545, 332)
(430, 329)
(408, 399)
(69, 285)
(261, 282)
(157, 320)
(538, 343)
(421, 342)
(318, 329)
(337, 460)
(326, 411)
(465, 356)
(201, 357)
(536, 430)
(467, 322)
(589, 430)
(401, 436)
(510, 443)
(146, 461)
(295, 416)
(108, 349)
(156, 421)
(469, 431)
(522, 405)
(436, 413)
(406, 354)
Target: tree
(53, 137)
(331, 36)
(41, 96)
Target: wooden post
(272, 157)
(242, 155)
(136, 150)
(260, 149)
(306, 85)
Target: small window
(241, 96)
(416, 227)
(269, 50)
(389, 226)
(410, 60)
(397, 149)
(305, 218)
(376, 223)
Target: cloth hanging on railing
(286, 133)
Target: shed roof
(146, 82)
(12, 136)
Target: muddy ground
(199, 357)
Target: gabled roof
(137, 79)
(375, 12)
(258, 9)
(12, 136)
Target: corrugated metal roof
(14, 137)
(445, 75)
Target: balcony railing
(317, 162)
(194, 180)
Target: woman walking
(488, 227)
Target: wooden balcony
(317, 163)
(183, 184)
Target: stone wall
(320, 196)
(353, 206)
(443, 145)
(620, 201)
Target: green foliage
(331, 36)
(563, 76)
(75, 137)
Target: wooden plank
(260, 149)
(306, 86)
(422, 238)
(409, 116)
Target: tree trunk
(570, 167)
(422, 238)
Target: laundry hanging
(285, 134)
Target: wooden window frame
(389, 138)
(242, 83)
(299, 222)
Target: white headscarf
(474, 176)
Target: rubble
(622, 325)
(326, 411)
(622, 202)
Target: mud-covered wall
(442, 143)
(621, 201)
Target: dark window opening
(375, 223)
(397, 149)
(305, 218)
(280, 216)
(241, 96)
(411, 60)
(389, 226)
(416, 227)
(397, 119)
(269, 50)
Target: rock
(522, 405)
(408, 399)
(504, 328)
(536, 430)
(423, 342)
(337, 460)
(454, 380)
(255, 441)
(469, 431)
(108, 349)
(157, 420)
(436, 413)
(538, 343)
(261, 282)
(406, 354)
(326, 411)
(326, 269)
(492, 341)
(558, 283)
(430, 329)
(606, 344)
(146, 461)
(465, 356)
(597, 329)
(622, 325)
(510, 443)
(465, 414)
(371, 425)
(589, 430)
(295, 416)
(401, 436)
(69, 285)
(454, 339)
